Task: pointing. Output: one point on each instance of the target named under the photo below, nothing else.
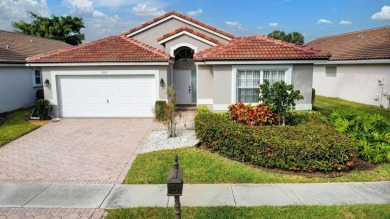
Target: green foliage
(159, 110)
(293, 37)
(313, 95)
(39, 95)
(279, 96)
(15, 125)
(170, 112)
(64, 28)
(371, 131)
(312, 143)
(42, 109)
(253, 116)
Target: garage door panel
(107, 96)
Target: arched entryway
(184, 75)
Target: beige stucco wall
(302, 78)
(357, 83)
(222, 84)
(205, 85)
(16, 88)
(197, 44)
(48, 73)
(150, 35)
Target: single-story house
(19, 82)
(359, 69)
(123, 75)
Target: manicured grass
(15, 125)
(202, 167)
(299, 212)
(326, 105)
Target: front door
(184, 86)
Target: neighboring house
(123, 75)
(18, 82)
(359, 69)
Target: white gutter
(262, 62)
(366, 61)
(99, 64)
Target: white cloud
(195, 13)
(324, 21)
(13, 11)
(384, 14)
(273, 24)
(344, 22)
(234, 24)
(260, 27)
(97, 24)
(145, 10)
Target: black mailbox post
(175, 185)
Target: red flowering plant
(253, 116)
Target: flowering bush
(253, 116)
(312, 145)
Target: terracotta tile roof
(189, 30)
(183, 17)
(111, 49)
(259, 47)
(364, 44)
(15, 47)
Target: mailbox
(175, 180)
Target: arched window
(184, 53)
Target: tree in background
(293, 37)
(64, 28)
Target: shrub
(371, 131)
(253, 116)
(39, 95)
(159, 110)
(313, 95)
(279, 96)
(42, 109)
(312, 145)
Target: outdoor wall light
(46, 83)
(162, 82)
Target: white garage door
(107, 96)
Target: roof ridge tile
(192, 31)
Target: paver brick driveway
(75, 149)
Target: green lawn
(326, 105)
(201, 166)
(15, 125)
(298, 212)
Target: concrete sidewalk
(109, 196)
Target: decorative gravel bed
(158, 140)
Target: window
(37, 77)
(248, 83)
(330, 71)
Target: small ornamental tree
(279, 96)
(170, 112)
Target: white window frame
(34, 77)
(330, 74)
(286, 68)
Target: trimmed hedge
(313, 145)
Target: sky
(312, 18)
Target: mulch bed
(38, 122)
(360, 165)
